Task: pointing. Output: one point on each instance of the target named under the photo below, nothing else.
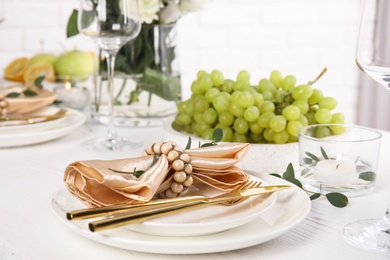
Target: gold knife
(141, 216)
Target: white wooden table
(29, 229)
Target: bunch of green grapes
(271, 112)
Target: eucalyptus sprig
(28, 92)
(135, 172)
(335, 198)
(216, 137)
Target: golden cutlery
(184, 201)
(30, 119)
(113, 222)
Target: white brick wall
(298, 37)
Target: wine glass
(110, 24)
(373, 58)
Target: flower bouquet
(147, 68)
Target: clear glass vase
(147, 83)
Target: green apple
(75, 64)
(42, 58)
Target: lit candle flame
(68, 86)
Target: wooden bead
(176, 187)
(170, 194)
(179, 149)
(157, 148)
(178, 165)
(180, 176)
(165, 148)
(149, 150)
(185, 157)
(188, 168)
(172, 155)
(189, 181)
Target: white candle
(72, 97)
(336, 172)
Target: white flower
(148, 10)
(192, 5)
(171, 13)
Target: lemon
(15, 69)
(39, 69)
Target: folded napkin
(109, 182)
(24, 104)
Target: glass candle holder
(338, 158)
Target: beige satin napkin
(101, 183)
(24, 104)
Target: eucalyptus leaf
(289, 173)
(307, 160)
(315, 196)
(217, 135)
(188, 146)
(324, 153)
(13, 95)
(138, 173)
(367, 176)
(71, 28)
(29, 93)
(276, 175)
(337, 199)
(312, 156)
(38, 81)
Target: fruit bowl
(261, 158)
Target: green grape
(266, 85)
(205, 82)
(277, 78)
(338, 129)
(200, 127)
(293, 127)
(227, 86)
(236, 110)
(257, 138)
(243, 74)
(225, 95)
(220, 104)
(201, 73)
(303, 120)
(226, 118)
(227, 134)
(200, 104)
(255, 128)
(310, 118)
(210, 116)
(198, 117)
(258, 97)
(328, 103)
(217, 78)
(208, 134)
(280, 94)
(264, 119)
(338, 118)
(323, 116)
(323, 131)
(183, 119)
(277, 123)
(186, 107)
(291, 112)
(289, 82)
(241, 85)
(251, 113)
(239, 138)
(240, 125)
(245, 99)
(292, 139)
(268, 134)
(281, 137)
(211, 94)
(267, 95)
(302, 92)
(315, 96)
(302, 105)
(267, 106)
(195, 89)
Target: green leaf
(13, 95)
(38, 81)
(312, 156)
(138, 173)
(71, 28)
(337, 199)
(217, 135)
(29, 93)
(289, 173)
(367, 176)
(276, 175)
(307, 160)
(208, 144)
(315, 196)
(294, 181)
(188, 146)
(324, 153)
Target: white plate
(11, 127)
(291, 207)
(193, 223)
(72, 121)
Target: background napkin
(96, 184)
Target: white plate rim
(236, 238)
(73, 121)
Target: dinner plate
(73, 120)
(17, 126)
(202, 221)
(291, 207)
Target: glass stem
(110, 58)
